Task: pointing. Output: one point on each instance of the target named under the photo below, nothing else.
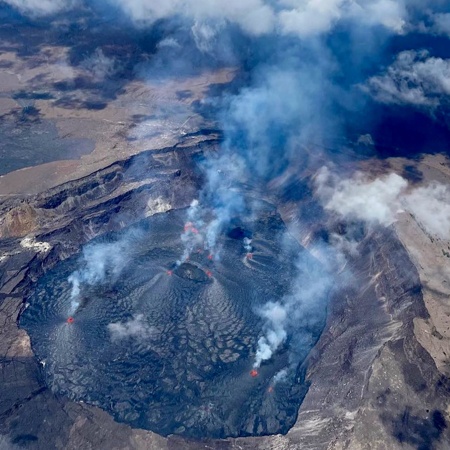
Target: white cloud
(305, 18)
(381, 200)
(389, 13)
(309, 17)
(41, 7)
(360, 198)
(441, 23)
(297, 17)
(436, 23)
(255, 17)
(99, 65)
(414, 78)
(134, 328)
(431, 207)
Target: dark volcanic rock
(191, 272)
(239, 233)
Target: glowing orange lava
(189, 227)
(70, 320)
(253, 373)
(208, 272)
(169, 272)
(249, 255)
(210, 257)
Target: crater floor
(170, 347)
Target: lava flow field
(170, 346)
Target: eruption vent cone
(254, 373)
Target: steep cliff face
(374, 382)
(383, 389)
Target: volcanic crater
(169, 346)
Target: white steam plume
(192, 236)
(223, 174)
(299, 314)
(280, 376)
(282, 103)
(220, 194)
(247, 244)
(275, 315)
(100, 263)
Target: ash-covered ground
(170, 346)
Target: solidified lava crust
(173, 353)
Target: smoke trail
(247, 242)
(219, 198)
(300, 315)
(265, 126)
(74, 280)
(280, 376)
(275, 315)
(192, 236)
(101, 263)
